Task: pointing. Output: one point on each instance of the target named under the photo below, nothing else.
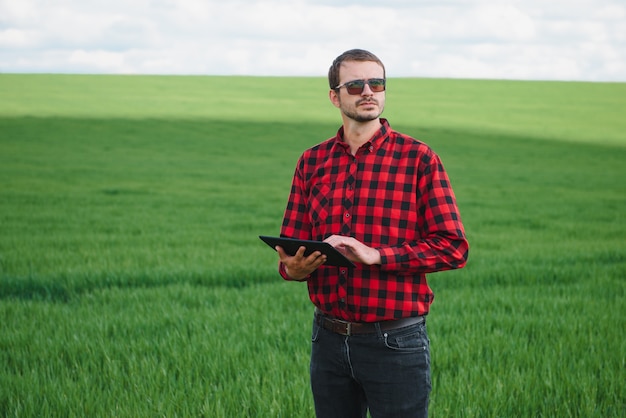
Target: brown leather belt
(353, 328)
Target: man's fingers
(315, 259)
(320, 259)
(300, 252)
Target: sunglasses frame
(361, 85)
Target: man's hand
(298, 267)
(354, 250)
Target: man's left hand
(354, 250)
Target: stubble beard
(358, 117)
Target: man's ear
(334, 98)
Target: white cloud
(529, 39)
(15, 38)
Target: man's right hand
(298, 267)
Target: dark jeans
(387, 372)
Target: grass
(171, 351)
(132, 281)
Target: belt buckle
(349, 329)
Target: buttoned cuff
(388, 259)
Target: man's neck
(355, 134)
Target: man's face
(367, 105)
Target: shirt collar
(374, 142)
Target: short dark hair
(351, 55)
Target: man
(384, 200)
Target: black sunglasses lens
(355, 87)
(377, 84)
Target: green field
(133, 283)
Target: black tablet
(291, 245)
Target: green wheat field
(133, 282)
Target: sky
(500, 39)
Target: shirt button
(347, 215)
(343, 271)
(371, 148)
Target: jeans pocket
(413, 339)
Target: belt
(353, 328)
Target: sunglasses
(357, 86)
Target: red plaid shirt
(393, 195)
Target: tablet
(291, 245)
